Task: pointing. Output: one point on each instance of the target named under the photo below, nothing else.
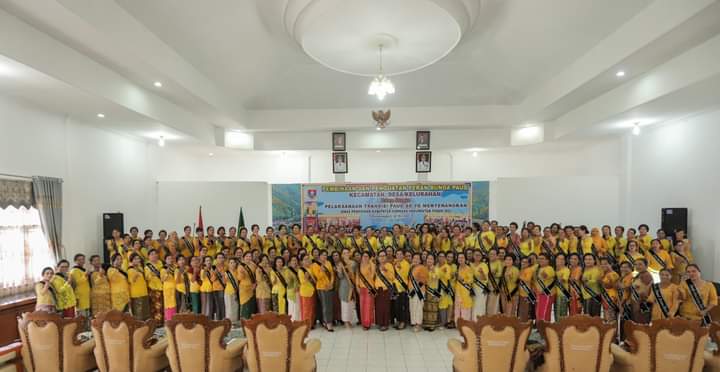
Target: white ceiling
(232, 64)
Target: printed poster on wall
(385, 204)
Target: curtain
(24, 250)
(16, 193)
(48, 200)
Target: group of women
(425, 276)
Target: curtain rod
(15, 176)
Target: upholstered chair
(577, 343)
(51, 343)
(494, 343)
(125, 344)
(712, 359)
(196, 344)
(667, 345)
(277, 344)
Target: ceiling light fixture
(161, 141)
(101, 115)
(620, 73)
(381, 84)
(377, 151)
(474, 154)
(157, 84)
(636, 129)
(211, 154)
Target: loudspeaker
(111, 221)
(673, 219)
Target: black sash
(311, 241)
(369, 246)
(467, 286)
(491, 279)
(606, 296)
(383, 278)
(325, 269)
(528, 291)
(260, 240)
(266, 278)
(189, 245)
(480, 284)
(402, 282)
(282, 243)
(630, 258)
(416, 286)
(562, 289)
(435, 292)
(636, 297)
(251, 274)
(53, 294)
(297, 241)
(354, 241)
(660, 300)
(233, 282)
(657, 258)
(280, 277)
(503, 284)
(547, 250)
(546, 290)
(338, 241)
(309, 277)
(154, 269)
(369, 286)
(395, 242)
(219, 277)
(695, 294)
(186, 283)
(682, 256)
(578, 290)
(122, 272)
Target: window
(24, 250)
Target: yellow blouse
(591, 277)
(671, 295)
(654, 265)
(512, 274)
(487, 239)
(547, 276)
(119, 289)
(262, 290)
(64, 291)
(246, 282)
(388, 271)
(402, 269)
(168, 287)
(307, 289)
(688, 309)
(44, 297)
(563, 279)
(154, 280)
(324, 276)
(82, 287)
(138, 285)
(465, 275)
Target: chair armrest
(159, 348)
(621, 356)
(313, 346)
(455, 346)
(234, 348)
(86, 347)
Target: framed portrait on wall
(338, 141)
(423, 162)
(340, 162)
(422, 140)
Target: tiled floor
(356, 350)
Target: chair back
(118, 340)
(47, 339)
(276, 343)
(195, 342)
(668, 345)
(577, 343)
(493, 343)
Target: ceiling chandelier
(381, 85)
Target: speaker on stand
(111, 221)
(673, 219)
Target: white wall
(102, 171)
(178, 204)
(676, 165)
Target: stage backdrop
(385, 204)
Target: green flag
(241, 221)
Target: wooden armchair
(494, 343)
(51, 344)
(712, 359)
(667, 345)
(577, 343)
(275, 343)
(124, 344)
(196, 344)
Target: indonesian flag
(200, 221)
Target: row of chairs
(581, 343)
(193, 343)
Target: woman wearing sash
(631, 253)
(644, 239)
(307, 291)
(63, 289)
(610, 241)
(680, 237)
(231, 297)
(562, 285)
(99, 287)
(169, 285)
(263, 292)
(495, 265)
(413, 241)
(323, 272)
(195, 284)
(247, 283)
(481, 284)
(346, 270)
(293, 286)
(45, 292)
(575, 305)
(526, 295)
(639, 292)
(119, 287)
(665, 297)
(256, 241)
(426, 237)
(464, 291)
(335, 260)
(383, 284)
(525, 245)
(680, 263)
(219, 285)
(608, 290)
(432, 298)
(279, 286)
(207, 278)
(509, 282)
(544, 281)
(442, 242)
(155, 284)
(698, 296)
(658, 258)
(366, 286)
(418, 276)
(242, 241)
(591, 280)
(182, 286)
(446, 291)
(139, 300)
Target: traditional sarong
(156, 304)
(196, 303)
(416, 310)
(307, 309)
(183, 305)
(248, 308)
(401, 311)
(170, 313)
(561, 307)
(347, 312)
(430, 312)
(492, 304)
(207, 302)
(382, 308)
(100, 298)
(523, 308)
(264, 305)
(219, 304)
(543, 307)
(337, 313)
(592, 307)
(575, 306)
(326, 304)
(510, 307)
(232, 307)
(140, 308)
(69, 312)
(367, 308)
